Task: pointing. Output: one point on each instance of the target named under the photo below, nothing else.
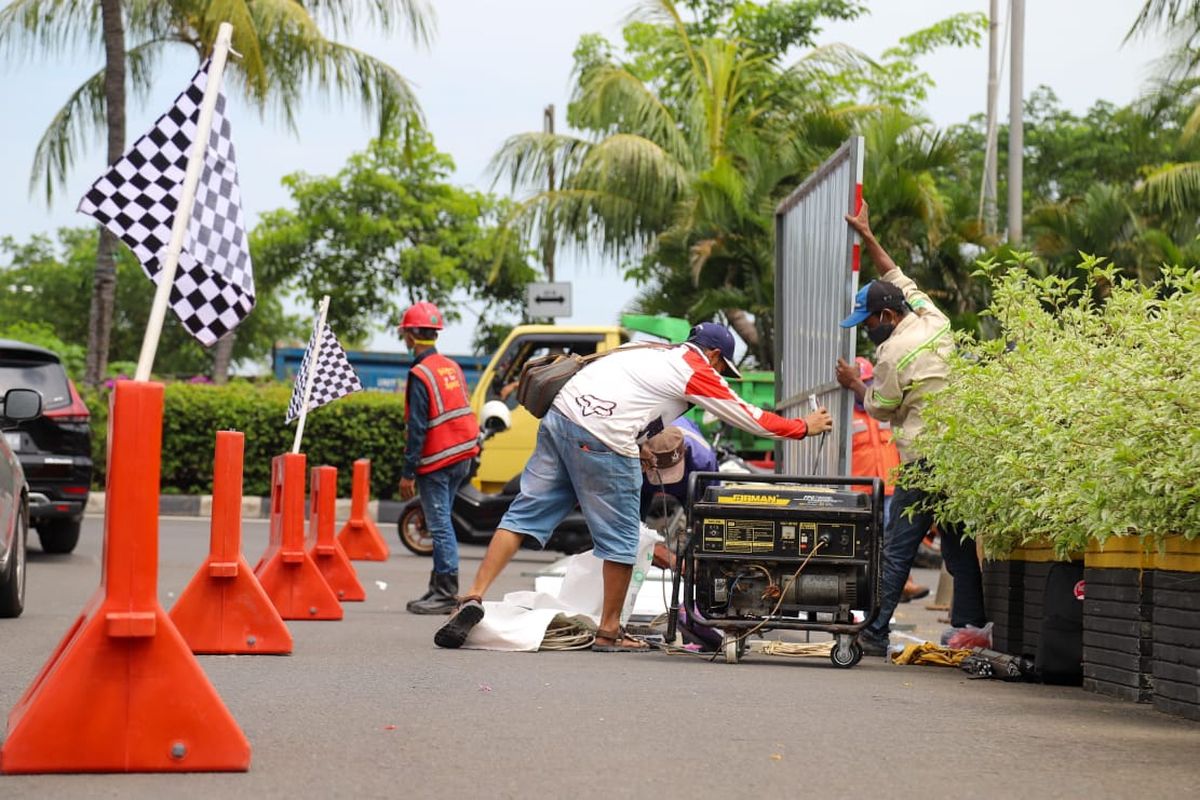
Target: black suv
(55, 450)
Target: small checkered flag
(334, 377)
(137, 198)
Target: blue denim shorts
(569, 466)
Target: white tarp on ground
(519, 621)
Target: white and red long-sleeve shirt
(633, 392)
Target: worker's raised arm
(709, 390)
(862, 226)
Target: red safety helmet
(422, 315)
(865, 371)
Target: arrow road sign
(548, 300)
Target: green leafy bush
(363, 425)
(1078, 422)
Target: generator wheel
(733, 647)
(856, 654)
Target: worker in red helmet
(443, 438)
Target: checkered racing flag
(137, 198)
(334, 377)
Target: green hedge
(363, 425)
(1078, 421)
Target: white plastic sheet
(519, 621)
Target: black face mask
(880, 333)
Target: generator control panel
(779, 521)
(766, 538)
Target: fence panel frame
(817, 259)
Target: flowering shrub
(1079, 421)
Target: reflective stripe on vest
(435, 391)
(449, 415)
(433, 458)
(452, 434)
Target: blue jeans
(437, 490)
(901, 540)
(569, 465)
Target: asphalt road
(476, 724)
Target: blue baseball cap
(873, 298)
(714, 336)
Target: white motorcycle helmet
(495, 417)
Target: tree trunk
(223, 357)
(747, 330)
(104, 284)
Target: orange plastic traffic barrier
(288, 574)
(360, 536)
(122, 692)
(323, 545)
(225, 609)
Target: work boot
(443, 600)
(873, 644)
(913, 591)
(455, 631)
(429, 592)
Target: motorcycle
(476, 514)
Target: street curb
(184, 505)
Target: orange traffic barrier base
(360, 536)
(224, 608)
(330, 557)
(286, 570)
(122, 692)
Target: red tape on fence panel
(324, 548)
(360, 536)
(123, 692)
(224, 608)
(286, 571)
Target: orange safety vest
(453, 433)
(873, 453)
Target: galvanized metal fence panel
(816, 278)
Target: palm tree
(285, 53)
(1175, 186)
(683, 168)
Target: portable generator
(769, 552)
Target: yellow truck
(505, 454)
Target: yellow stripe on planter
(1119, 552)
(1039, 552)
(1178, 555)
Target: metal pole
(314, 357)
(548, 233)
(183, 213)
(991, 162)
(1016, 130)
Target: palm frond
(1164, 14)
(298, 64)
(829, 60)
(1173, 186)
(343, 15)
(82, 118)
(664, 12)
(527, 159)
(610, 98)
(49, 27)
(634, 166)
(588, 220)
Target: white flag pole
(183, 213)
(318, 336)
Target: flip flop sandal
(456, 629)
(616, 637)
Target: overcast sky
(492, 67)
